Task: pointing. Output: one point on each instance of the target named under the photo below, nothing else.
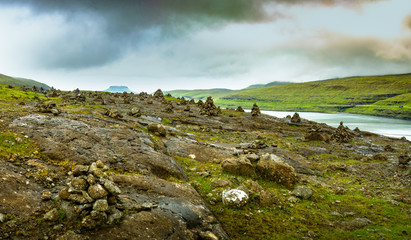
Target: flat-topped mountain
(118, 89)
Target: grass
(373, 95)
(13, 145)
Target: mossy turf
(328, 214)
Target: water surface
(385, 126)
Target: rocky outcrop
(87, 141)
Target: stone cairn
(209, 109)
(239, 109)
(48, 107)
(255, 111)
(93, 194)
(342, 134)
(296, 118)
(159, 95)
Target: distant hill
(275, 83)
(22, 82)
(215, 92)
(199, 93)
(118, 89)
(388, 95)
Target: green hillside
(376, 95)
(4, 79)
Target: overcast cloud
(186, 44)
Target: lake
(385, 126)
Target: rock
(100, 205)
(70, 235)
(52, 215)
(115, 214)
(268, 198)
(222, 183)
(254, 186)
(157, 129)
(253, 157)
(97, 191)
(134, 112)
(100, 164)
(357, 223)
(273, 168)
(111, 187)
(46, 195)
(79, 183)
(303, 192)
(240, 166)
(2, 218)
(234, 198)
(113, 113)
(296, 118)
(255, 111)
(292, 199)
(317, 136)
(208, 236)
(64, 193)
(80, 170)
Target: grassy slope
(4, 79)
(376, 95)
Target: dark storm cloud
(120, 26)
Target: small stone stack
(183, 101)
(209, 109)
(255, 111)
(342, 134)
(93, 194)
(296, 118)
(159, 95)
(48, 107)
(239, 109)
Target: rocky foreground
(92, 165)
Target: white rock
(234, 197)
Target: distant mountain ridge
(118, 89)
(22, 82)
(216, 92)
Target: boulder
(273, 168)
(268, 198)
(135, 112)
(303, 192)
(157, 129)
(234, 198)
(317, 136)
(240, 166)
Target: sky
(197, 44)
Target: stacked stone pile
(209, 109)
(342, 134)
(92, 195)
(255, 111)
